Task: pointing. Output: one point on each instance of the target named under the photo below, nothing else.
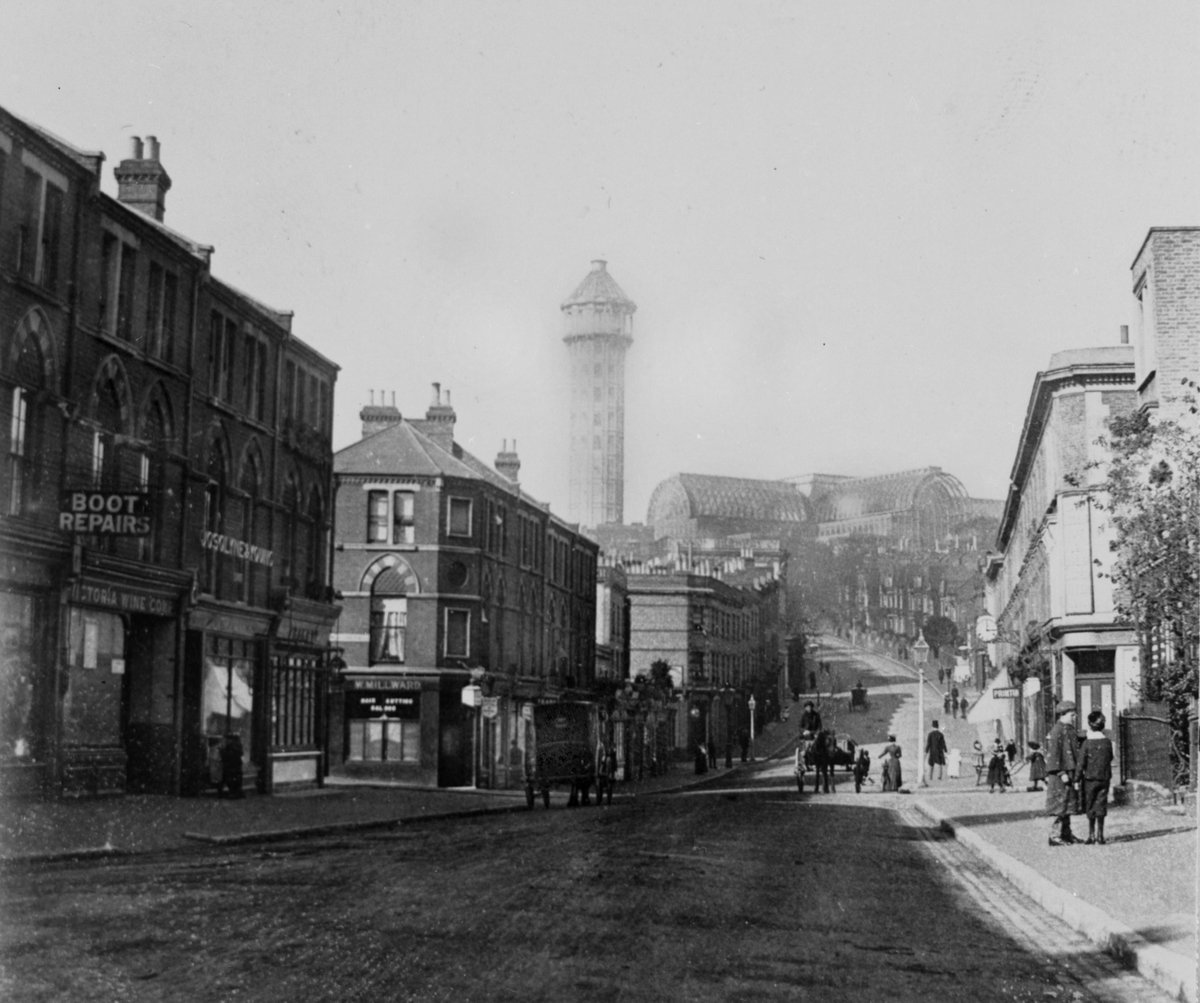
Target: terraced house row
(165, 489)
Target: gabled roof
(403, 449)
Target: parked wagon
(566, 746)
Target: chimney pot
(152, 148)
(437, 393)
(135, 147)
(1124, 334)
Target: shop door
(455, 744)
(1095, 684)
(1094, 693)
(148, 711)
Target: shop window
(227, 698)
(19, 655)
(458, 633)
(459, 517)
(96, 659)
(294, 708)
(384, 741)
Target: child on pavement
(1094, 776)
(1037, 765)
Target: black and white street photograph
(656, 500)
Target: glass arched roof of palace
(899, 492)
(694, 496)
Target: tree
(1153, 504)
(940, 632)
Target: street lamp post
(920, 652)
(750, 704)
(727, 698)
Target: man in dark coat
(1061, 762)
(935, 751)
(810, 721)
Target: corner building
(465, 602)
(134, 382)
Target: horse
(822, 755)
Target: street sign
(491, 707)
(1006, 692)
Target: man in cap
(1062, 745)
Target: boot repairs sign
(105, 513)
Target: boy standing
(1094, 776)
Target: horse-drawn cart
(822, 754)
(566, 740)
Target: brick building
(1059, 637)
(718, 624)
(165, 490)
(456, 585)
(1166, 293)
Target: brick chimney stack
(142, 183)
(507, 462)
(377, 417)
(440, 420)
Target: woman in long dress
(890, 755)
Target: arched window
(215, 498)
(23, 473)
(250, 573)
(291, 532)
(155, 433)
(315, 545)
(393, 580)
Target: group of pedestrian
(953, 704)
(1078, 775)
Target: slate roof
(404, 450)
(598, 287)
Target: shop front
(117, 682)
(385, 726)
(29, 614)
(298, 678)
(225, 706)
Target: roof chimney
(142, 183)
(377, 417)
(440, 419)
(507, 462)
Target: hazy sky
(854, 232)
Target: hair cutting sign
(105, 513)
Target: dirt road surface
(749, 894)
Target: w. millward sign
(105, 513)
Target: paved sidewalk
(46, 830)
(1135, 896)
